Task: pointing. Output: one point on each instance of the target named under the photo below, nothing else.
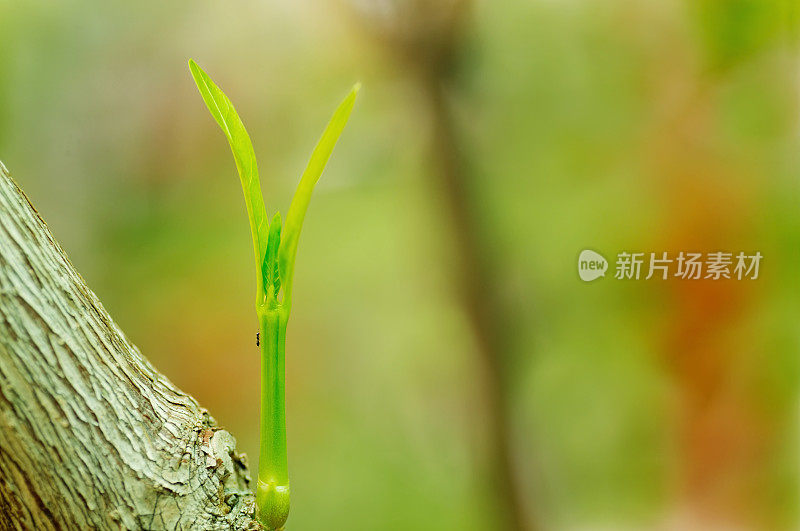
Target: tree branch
(91, 435)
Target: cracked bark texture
(91, 435)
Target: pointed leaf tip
(225, 115)
(302, 196)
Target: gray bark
(91, 435)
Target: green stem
(272, 494)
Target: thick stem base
(272, 504)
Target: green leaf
(270, 264)
(223, 112)
(302, 196)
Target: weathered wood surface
(91, 435)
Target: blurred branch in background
(427, 38)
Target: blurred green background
(446, 368)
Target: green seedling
(275, 249)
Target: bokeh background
(446, 368)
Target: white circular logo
(591, 265)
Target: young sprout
(275, 249)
